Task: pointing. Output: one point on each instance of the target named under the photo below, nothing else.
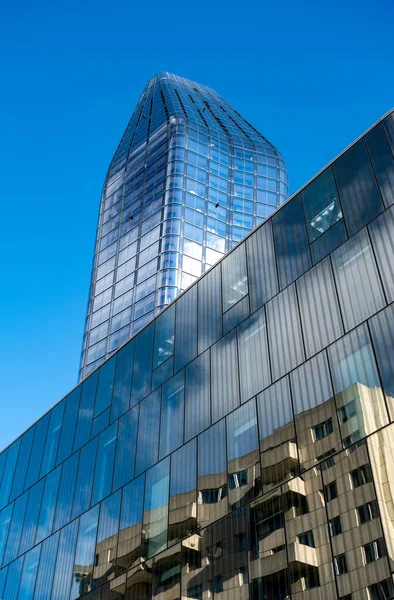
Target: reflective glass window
(105, 385)
(209, 309)
(83, 488)
(31, 516)
(40, 432)
(85, 413)
(358, 191)
(130, 528)
(142, 364)
(382, 235)
(382, 161)
(46, 568)
(65, 561)
(262, 274)
(292, 248)
(197, 396)
(244, 477)
(155, 520)
(253, 355)
(358, 394)
(22, 463)
(5, 520)
(224, 376)
(234, 277)
(212, 474)
(9, 469)
(48, 505)
(382, 331)
(319, 308)
(321, 204)
(172, 414)
(69, 421)
(13, 580)
(186, 328)
(164, 336)
(125, 449)
(107, 539)
(53, 434)
(183, 494)
(359, 288)
(328, 241)
(122, 382)
(66, 491)
(284, 332)
(105, 463)
(82, 572)
(148, 432)
(29, 574)
(15, 529)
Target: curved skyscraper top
(190, 178)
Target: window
(335, 526)
(383, 590)
(330, 491)
(347, 597)
(361, 476)
(340, 564)
(323, 429)
(348, 411)
(374, 550)
(306, 539)
(266, 526)
(326, 460)
(218, 584)
(368, 512)
(321, 204)
(311, 579)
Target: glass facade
(190, 178)
(250, 459)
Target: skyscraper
(190, 178)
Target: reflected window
(212, 475)
(183, 495)
(321, 204)
(130, 528)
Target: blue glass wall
(242, 442)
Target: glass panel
(129, 546)
(319, 308)
(382, 234)
(252, 351)
(122, 383)
(359, 289)
(47, 568)
(186, 328)
(388, 125)
(262, 275)
(209, 305)
(105, 385)
(22, 464)
(31, 516)
(183, 494)
(359, 194)
(172, 414)
(66, 491)
(105, 463)
(224, 377)
(142, 364)
(65, 562)
(326, 243)
(278, 447)
(9, 469)
(69, 422)
(83, 490)
(382, 161)
(15, 530)
(156, 507)
(291, 241)
(37, 451)
(82, 572)
(234, 277)
(29, 574)
(359, 397)
(198, 396)
(13, 580)
(212, 475)
(48, 505)
(107, 540)
(85, 413)
(315, 412)
(100, 422)
(284, 333)
(244, 477)
(382, 331)
(236, 314)
(164, 336)
(321, 204)
(53, 434)
(5, 521)
(125, 450)
(148, 432)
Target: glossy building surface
(241, 445)
(188, 181)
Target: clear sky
(310, 76)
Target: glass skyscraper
(188, 181)
(241, 445)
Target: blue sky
(311, 76)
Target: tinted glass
(321, 204)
